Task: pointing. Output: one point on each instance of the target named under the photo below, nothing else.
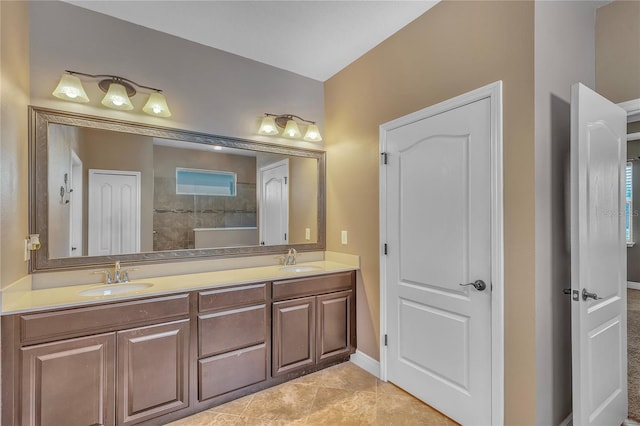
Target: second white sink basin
(110, 289)
(300, 268)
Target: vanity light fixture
(118, 91)
(289, 122)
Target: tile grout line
(306, 420)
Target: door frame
(76, 197)
(493, 92)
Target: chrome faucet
(290, 259)
(119, 275)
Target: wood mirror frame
(39, 120)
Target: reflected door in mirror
(274, 224)
(114, 212)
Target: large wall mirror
(103, 190)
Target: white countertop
(68, 296)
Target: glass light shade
(157, 105)
(291, 130)
(312, 134)
(70, 89)
(268, 126)
(117, 98)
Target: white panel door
(598, 259)
(439, 237)
(114, 212)
(274, 204)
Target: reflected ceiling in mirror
(104, 190)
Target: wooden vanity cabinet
(110, 374)
(233, 335)
(154, 360)
(316, 329)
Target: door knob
(586, 295)
(478, 285)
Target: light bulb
(157, 105)
(291, 130)
(268, 126)
(313, 134)
(70, 89)
(117, 98)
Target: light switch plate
(27, 253)
(307, 234)
(344, 237)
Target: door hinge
(385, 158)
(285, 236)
(385, 249)
(386, 340)
(285, 180)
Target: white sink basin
(300, 268)
(111, 289)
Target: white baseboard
(367, 363)
(568, 421)
(633, 285)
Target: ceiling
(315, 39)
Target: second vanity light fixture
(118, 91)
(289, 122)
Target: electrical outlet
(344, 237)
(307, 234)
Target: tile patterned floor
(339, 395)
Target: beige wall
(303, 199)
(564, 55)
(453, 48)
(14, 97)
(618, 50)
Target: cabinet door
(334, 325)
(293, 335)
(152, 371)
(70, 382)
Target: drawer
(233, 297)
(227, 372)
(226, 331)
(310, 286)
(36, 328)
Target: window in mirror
(205, 182)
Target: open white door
(598, 259)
